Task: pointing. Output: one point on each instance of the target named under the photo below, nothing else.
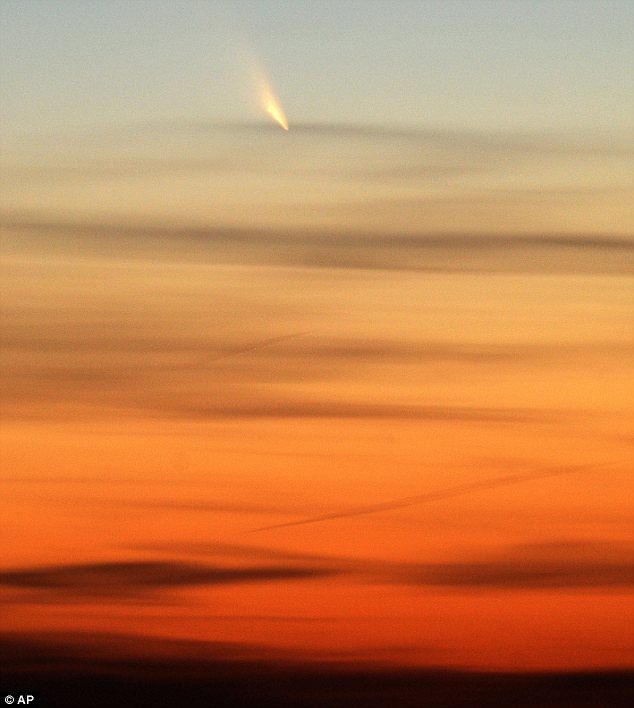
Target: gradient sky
(223, 341)
(493, 64)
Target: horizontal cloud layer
(551, 566)
(122, 578)
(330, 249)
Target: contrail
(209, 360)
(262, 344)
(447, 493)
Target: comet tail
(271, 105)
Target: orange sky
(275, 327)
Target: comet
(270, 103)
(260, 85)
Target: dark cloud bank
(101, 671)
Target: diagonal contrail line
(262, 344)
(447, 493)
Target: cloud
(531, 566)
(82, 370)
(381, 154)
(451, 139)
(349, 349)
(333, 249)
(548, 566)
(77, 392)
(336, 409)
(122, 578)
(242, 550)
(186, 352)
(213, 507)
(151, 375)
(113, 169)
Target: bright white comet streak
(271, 105)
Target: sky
(355, 393)
(507, 64)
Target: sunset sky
(360, 391)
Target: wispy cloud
(336, 409)
(83, 369)
(219, 549)
(334, 249)
(451, 139)
(551, 566)
(210, 507)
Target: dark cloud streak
(121, 578)
(519, 574)
(492, 141)
(366, 411)
(334, 249)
